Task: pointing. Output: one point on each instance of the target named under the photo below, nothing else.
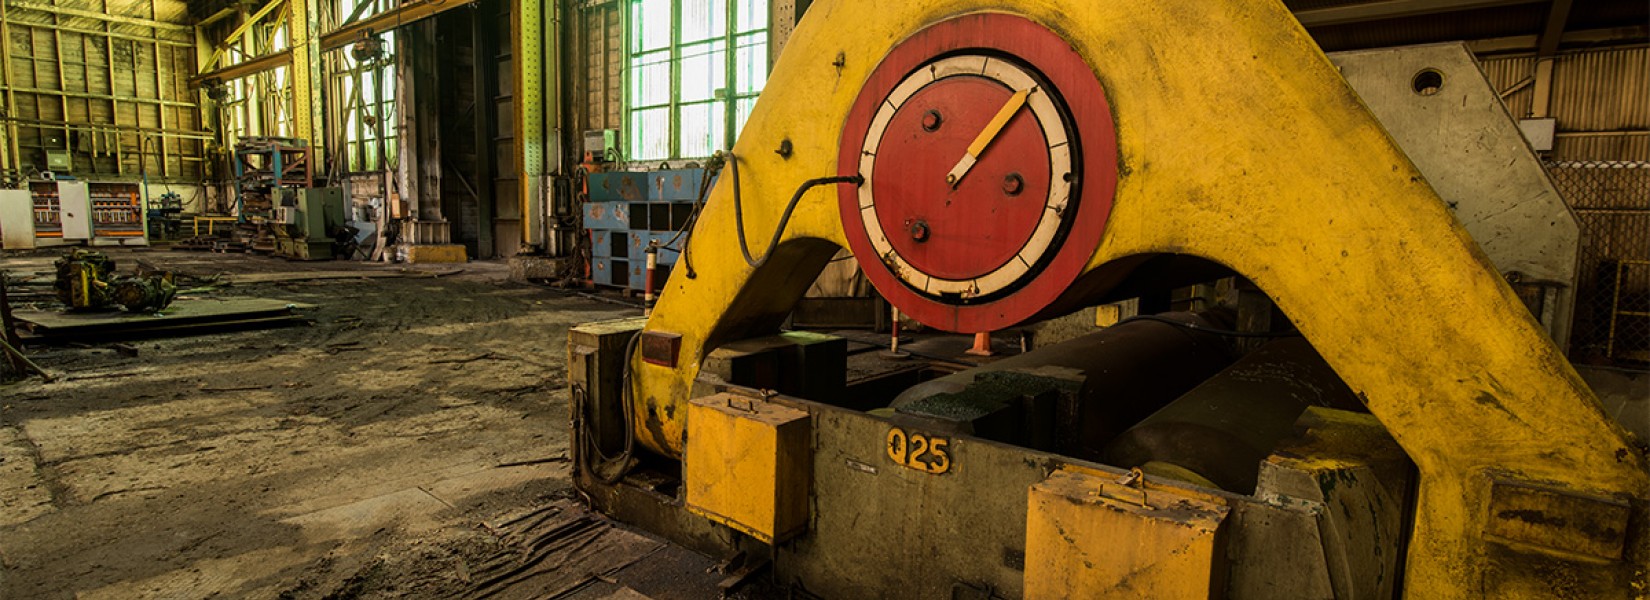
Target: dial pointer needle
(987, 135)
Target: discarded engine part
(83, 279)
(86, 281)
(145, 293)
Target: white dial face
(967, 172)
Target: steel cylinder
(1128, 371)
(1224, 428)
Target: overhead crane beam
(333, 40)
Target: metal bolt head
(931, 120)
(1013, 184)
(919, 231)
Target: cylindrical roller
(1224, 428)
(1129, 371)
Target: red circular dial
(968, 231)
(989, 161)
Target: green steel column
(527, 39)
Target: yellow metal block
(1107, 315)
(436, 253)
(1088, 536)
(747, 465)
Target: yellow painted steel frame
(1239, 143)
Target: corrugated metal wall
(1602, 91)
(1601, 163)
(1506, 72)
(107, 80)
(1601, 100)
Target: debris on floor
(553, 550)
(352, 458)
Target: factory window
(366, 85)
(258, 105)
(693, 78)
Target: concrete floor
(351, 458)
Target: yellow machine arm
(1238, 142)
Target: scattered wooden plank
(534, 461)
(236, 388)
(18, 355)
(448, 361)
(739, 576)
(553, 552)
(101, 376)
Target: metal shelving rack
(263, 164)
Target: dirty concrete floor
(354, 457)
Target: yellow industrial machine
(1408, 429)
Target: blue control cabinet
(628, 211)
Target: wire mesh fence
(1611, 199)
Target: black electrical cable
(712, 167)
(709, 172)
(623, 461)
(784, 219)
(1220, 332)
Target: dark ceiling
(1352, 24)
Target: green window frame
(359, 85)
(693, 79)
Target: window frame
(360, 149)
(726, 97)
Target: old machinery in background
(266, 168)
(86, 280)
(264, 164)
(165, 217)
(1373, 413)
(309, 224)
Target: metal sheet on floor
(185, 313)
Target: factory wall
(105, 80)
(599, 97)
(1600, 162)
(1600, 98)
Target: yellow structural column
(304, 37)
